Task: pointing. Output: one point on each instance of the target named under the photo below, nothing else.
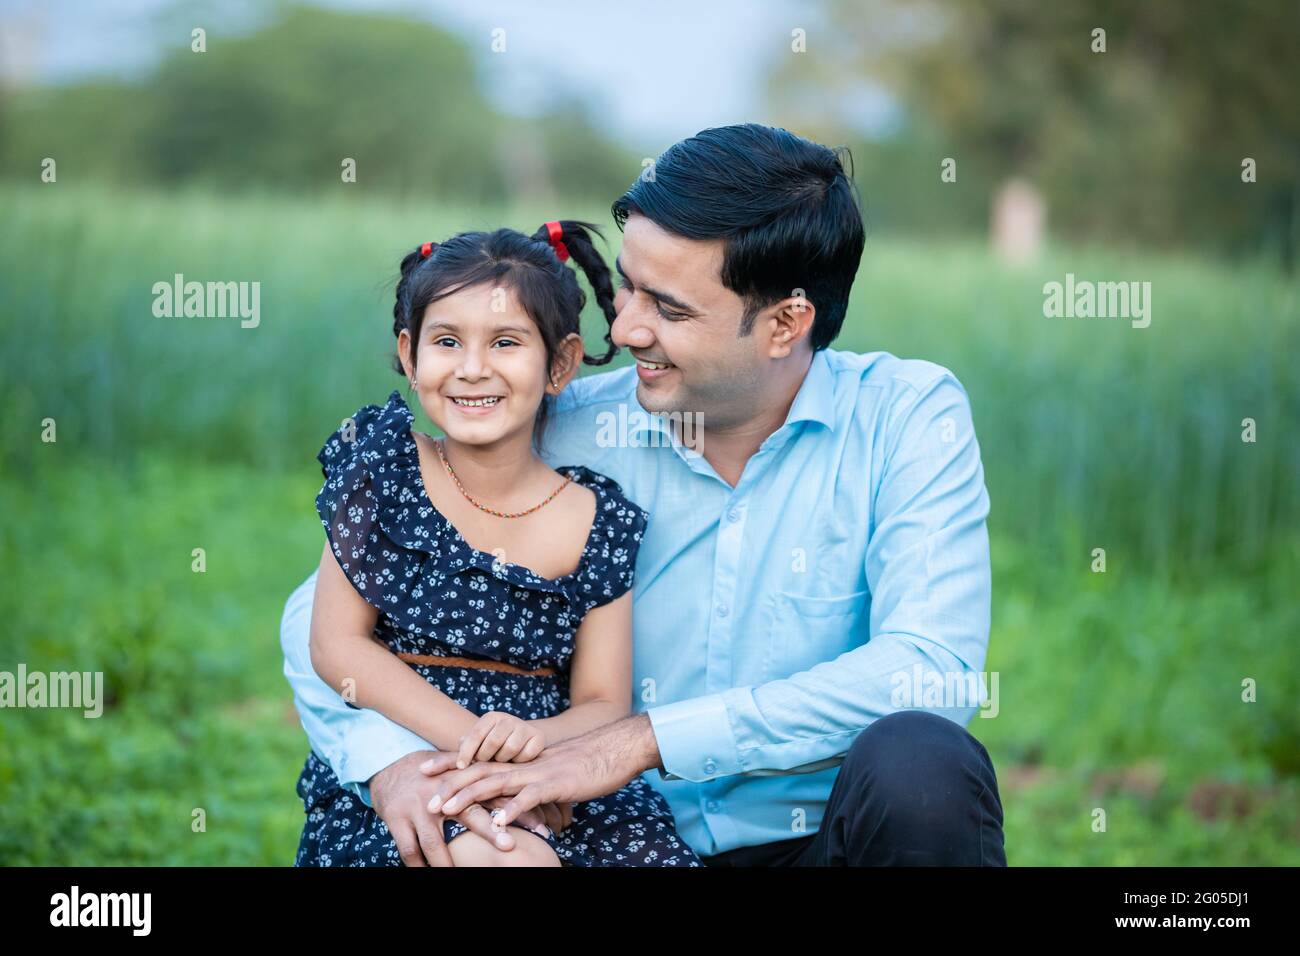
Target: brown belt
(433, 661)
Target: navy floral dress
(438, 596)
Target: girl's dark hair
(528, 265)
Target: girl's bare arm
(343, 650)
(600, 683)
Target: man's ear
(791, 321)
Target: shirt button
(722, 610)
(710, 766)
(712, 806)
(733, 515)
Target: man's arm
(356, 743)
(927, 566)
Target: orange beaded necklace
(491, 511)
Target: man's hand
(400, 793)
(582, 768)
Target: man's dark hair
(784, 206)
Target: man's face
(676, 312)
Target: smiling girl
(466, 589)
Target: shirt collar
(814, 402)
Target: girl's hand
(557, 815)
(554, 817)
(501, 737)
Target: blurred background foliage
(1138, 143)
(1120, 690)
(277, 108)
(1141, 143)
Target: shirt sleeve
(927, 567)
(356, 742)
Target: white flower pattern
(437, 595)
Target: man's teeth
(477, 402)
(652, 365)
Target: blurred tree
(282, 107)
(1144, 140)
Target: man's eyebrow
(672, 300)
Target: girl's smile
(476, 404)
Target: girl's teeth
(475, 403)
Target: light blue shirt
(844, 577)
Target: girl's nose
(472, 364)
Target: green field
(1120, 691)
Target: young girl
(467, 590)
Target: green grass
(99, 578)
(1103, 435)
(1119, 691)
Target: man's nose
(629, 329)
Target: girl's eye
(623, 283)
(448, 340)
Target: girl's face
(480, 368)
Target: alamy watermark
(1084, 299)
(208, 300)
(621, 429)
(84, 691)
(920, 687)
(75, 908)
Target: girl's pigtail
(402, 297)
(577, 239)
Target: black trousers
(915, 789)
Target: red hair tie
(425, 250)
(555, 232)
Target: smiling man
(824, 537)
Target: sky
(652, 72)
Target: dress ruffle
(398, 550)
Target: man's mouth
(653, 366)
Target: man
(818, 546)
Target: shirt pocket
(809, 630)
